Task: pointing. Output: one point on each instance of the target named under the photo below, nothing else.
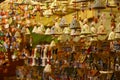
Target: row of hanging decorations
(76, 28)
(51, 7)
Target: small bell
(74, 24)
(72, 32)
(17, 34)
(48, 68)
(27, 31)
(101, 30)
(66, 30)
(117, 35)
(48, 31)
(53, 30)
(93, 29)
(117, 29)
(111, 3)
(60, 38)
(98, 5)
(111, 35)
(86, 28)
(94, 38)
(39, 30)
(52, 44)
(34, 29)
(63, 22)
(58, 28)
(23, 30)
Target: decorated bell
(52, 44)
(117, 29)
(23, 30)
(66, 30)
(58, 28)
(17, 34)
(93, 29)
(27, 31)
(41, 30)
(111, 35)
(34, 29)
(53, 30)
(117, 35)
(98, 5)
(111, 3)
(86, 28)
(48, 31)
(101, 29)
(47, 68)
(60, 38)
(74, 24)
(94, 38)
(63, 22)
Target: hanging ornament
(93, 38)
(48, 31)
(101, 30)
(111, 35)
(58, 28)
(41, 29)
(86, 28)
(66, 30)
(111, 3)
(117, 29)
(53, 30)
(47, 68)
(98, 5)
(117, 36)
(74, 24)
(34, 29)
(27, 31)
(93, 29)
(63, 22)
(52, 44)
(17, 34)
(23, 30)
